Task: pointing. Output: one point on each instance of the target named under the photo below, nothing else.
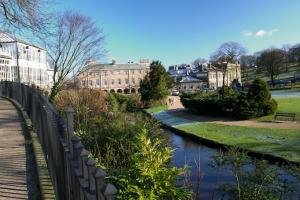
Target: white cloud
(247, 33)
(262, 32)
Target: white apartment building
(27, 62)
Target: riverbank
(276, 145)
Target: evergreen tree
(156, 84)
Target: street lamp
(28, 78)
(39, 51)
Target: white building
(27, 62)
(5, 67)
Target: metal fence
(74, 175)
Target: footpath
(17, 168)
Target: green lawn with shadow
(291, 104)
(278, 142)
(157, 109)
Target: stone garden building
(113, 77)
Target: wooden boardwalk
(15, 174)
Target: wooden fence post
(91, 164)
(70, 127)
(100, 184)
(110, 192)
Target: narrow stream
(205, 179)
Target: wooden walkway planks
(13, 175)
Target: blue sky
(179, 31)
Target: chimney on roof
(113, 62)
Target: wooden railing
(74, 175)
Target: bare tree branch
(74, 40)
(24, 15)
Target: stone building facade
(113, 77)
(203, 77)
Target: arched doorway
(112, 91)
(126, 91)
(119, 91)
(133, 90)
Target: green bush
(259, 93)
(149, 176)
(256, 103)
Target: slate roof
(97, 67)
(188, 79)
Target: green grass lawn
(157, 109)
(280, 142)
(285, 105)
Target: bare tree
(247, 61)
(286, 48)
(75, 40)
(231, 51)
(294, 53)
(23, 14)
(271, 60)
(228, 52)
(199, 61)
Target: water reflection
(206, 180)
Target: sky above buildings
(179, 31)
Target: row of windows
(4, 61)
(215, 75)
(106, 73)
(112, 81)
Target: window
(112, 81)
(140, 71)
(91, 82)
(120, 81)
(90, 73)
(133, 81)
(126, 80)
(112, 72)
(132, 72)
(98, 82)
(105, 82)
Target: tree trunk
(272, 81)
(54, 91)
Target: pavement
(16, 165)
(178, 115)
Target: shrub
(149, 176)
(242, 108)
(87, 104)
(259, 93)
(256, 103)
(226, 91)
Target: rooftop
(9, 38)
(109, 66)
(189, 79)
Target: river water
(206, 180)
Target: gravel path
(18, 178)
(178, 115)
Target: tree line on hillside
(270, 60)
